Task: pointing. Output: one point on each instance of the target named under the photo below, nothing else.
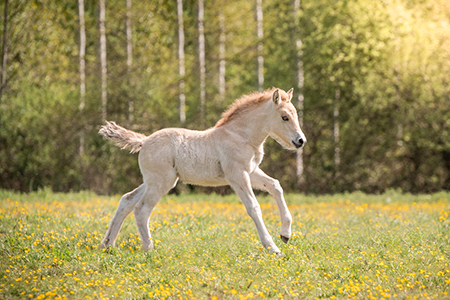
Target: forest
(371, 85)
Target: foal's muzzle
(299, 141)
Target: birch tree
(5, 50)
(82, 54)
(103, 58)
(201, 45)
(222, 57)
(129, 59)
(337, 149)
(260, 35)
(300, 83)
(181, 67)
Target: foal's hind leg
(157, 185)
(126, 205)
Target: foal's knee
(254, 211)
(276, 186)
(288, 219)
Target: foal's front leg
(262, 181)
(240, 182)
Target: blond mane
(244, 103)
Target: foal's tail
(124, 138)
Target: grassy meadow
(352, 246)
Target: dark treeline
(372, 76)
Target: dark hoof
(284, 239)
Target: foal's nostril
(299, 141)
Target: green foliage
(389, 60)
(382, 58)
(39, 140)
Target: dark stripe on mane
(244, 103)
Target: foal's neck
(252, 125)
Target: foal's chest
(256, 160)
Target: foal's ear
(276, 97)
(290, 93)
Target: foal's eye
(285, 118)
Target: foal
(227, 154)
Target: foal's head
(284, 126)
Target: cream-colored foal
(227, 154)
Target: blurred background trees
(375, 87)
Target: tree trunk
(129, 60)
(182, 71)
(201, 46)
(103, 59)
(5, 51)
(260, 35)
(222, 58)
(82, 69)
(300, 83)
(446, 159)
(337, 149)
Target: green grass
(344, 246)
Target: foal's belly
(196, 166)
(199, 174)
(216, 181)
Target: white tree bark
(337, 149)
(300, 83)
(82, 68)
(129, 59)
(222, 58)
(201, 45)
(82, 54)
(182, 71)
(260, 34)
(5, 51)
(103, 59)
